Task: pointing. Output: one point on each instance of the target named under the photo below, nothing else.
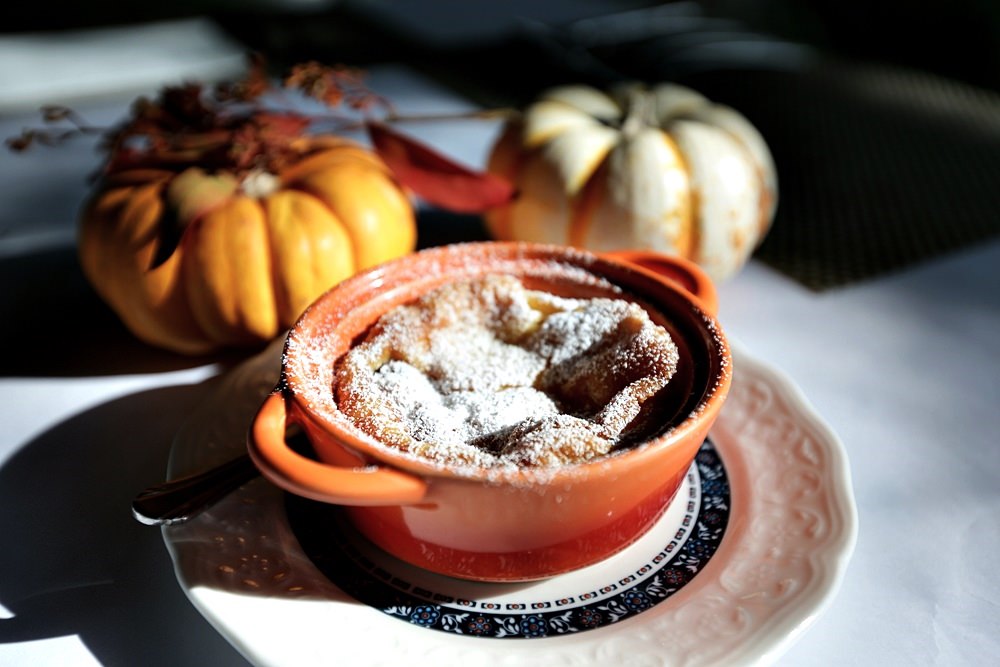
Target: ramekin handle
(368, 486)
(676, 270)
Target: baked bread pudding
(488, 373)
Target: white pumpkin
(657, 168)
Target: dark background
(883, 115)
(955, 38)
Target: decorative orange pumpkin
(254, 246)
(659, 168)
(218, 219)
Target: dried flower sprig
(54, 136)
(334, 86)
(249, 125)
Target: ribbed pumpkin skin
(249, 264)
(661, 169)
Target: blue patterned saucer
(747, 555)
(661, 563)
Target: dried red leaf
(252, 86)
(54, 113)
(243, 149)
(124, 158)
(186, 106)
(21, 143)
(318, 81)
(280, 126)
(436, 178)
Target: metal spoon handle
(180, 499)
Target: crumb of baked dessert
(488, 373)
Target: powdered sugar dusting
(487, 373)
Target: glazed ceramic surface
(742, 562)
(513, 524)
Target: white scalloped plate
(696, 590)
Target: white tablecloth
(905, 369)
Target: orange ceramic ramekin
(512, 524)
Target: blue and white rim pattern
(678, 561)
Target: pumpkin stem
(640, 111)
(260, 184)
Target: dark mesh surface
(878, 168)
